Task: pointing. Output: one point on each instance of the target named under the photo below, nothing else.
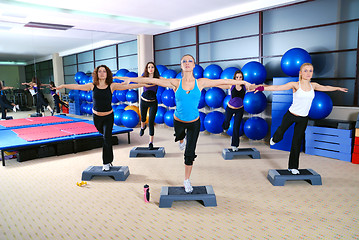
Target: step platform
(204, 194)
(228, 153)
(278, 176)
(158, 152)
(119, 173)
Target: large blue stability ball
(255, 128)
(160, 115)
(202, 117)
(83, 107)
(131, 74)
(114, 98)
(89, 107)
(214, 97)
(83, 95)
(161, 69)
(168, 117)
(130, 118)
(228, 73)
(254, 72)
(118, 116)
(212, 71)
(179, 75)
(160, 90)
(213, 122)
(198, 72)
(322, 106)
(89, 96)
(202, 100)
(293, 59)
(121, 106)
(169, 73)
(254, 103)
(80, 76)
(168, 98)
(74, 94)
(225, 101)
(121, 95)
(132, 96)
(121, 73)
(230, 129)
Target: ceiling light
(48, 26)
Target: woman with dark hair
(41, 101)
(4, 103)
(186, 117)
(102, 88)
(235, 107)
(56, 97)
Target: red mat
(72, 125)
(34, 130)
(83, 130)
(16, 123)
(33, 121)
(44, 135)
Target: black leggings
(41, 101)
(238, 115)
(58, 102)
(104, 125)
(152, 114)
(5, 104)
(298, 136)
(192, 137)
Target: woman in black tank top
(103, 117)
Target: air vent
(48, 26)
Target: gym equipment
(168, 117)
(254, 72)
(293, 59)
(202, 101)
(158, 152)
(169, 73)
(132, 96)
(278, 177)
(121, 73)
(254, 103)
(121, 95)
(197, 72)
(230, 129)
(225, 101)
(119, 173)
(228, 73)
(131, 74)
(322, 106)
(159, 118)
(202, 116)
(214, 97)
(255, 128)
(205, 194)
(118, 116)
(168, 98)
(228, 153)
(212, 71)
(161, 69)
(213, 122)
(130, 118)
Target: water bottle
(146, 190)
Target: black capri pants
(104, 125)
(298, 136)
(191, 130)
(152, 114)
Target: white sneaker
(182, 145)
(17, 107)
(271, 142)
(235, 149)
(293, 171)
(187, 186)
(14, 108)
(106, 167)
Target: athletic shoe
(235, 149)
(187, 186)
(150, 146)
(17, 107)
(52, 113)
(142, 131)
(182, 145)
(293, 171)
(271, 142)
(106, 167)
(14, 108)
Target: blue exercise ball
(254, 103)
(121, 95)
(130, 118)
(214, 97)
(79, 76)
(202, 117)
(132, 96)
(255, 128)
(83, 95)
(212, 71)
(89, 96)
(159, 118)
(198, 72)
(114, 98)
(83, 108)
(89, 107)
(213, 122)
(322, 106)
(160, 90)
(254, 72)
(202, 100)
(161, 69)
(168, 117)
(121, 106)
(74, 95)
(169, 73)
(131, 74)
(230, 129)
(168, 98)
(225, 101)
(179, 75)
(118, 116)
(293, 59)
(228, 73)
(121, 73)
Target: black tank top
(236, 93)
(102, 99)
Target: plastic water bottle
(146, 190)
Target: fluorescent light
(12, 63)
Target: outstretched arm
(323, 88)
(121, 86)
(170, 83)
(287, 86)
(6, 88)
(221, 83)
(85, 87)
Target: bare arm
(205, 82)
(170, 83)
(323, 88)
(121, 86)
(6, 88)
(287, 86)
(85, 87)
